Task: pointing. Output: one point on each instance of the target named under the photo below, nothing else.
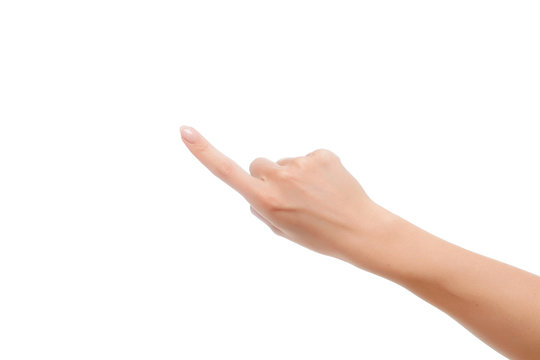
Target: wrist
(393, 248)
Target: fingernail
(189, 134)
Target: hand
(312, 200)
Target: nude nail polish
(189, 134)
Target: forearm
(499, 303)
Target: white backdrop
(115, 243)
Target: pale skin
(314, 201)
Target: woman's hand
(314, 201)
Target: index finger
(219, 164)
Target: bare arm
(314, 201)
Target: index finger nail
(189, 134)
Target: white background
(115, 243)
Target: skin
(314, 201)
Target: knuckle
(225, 169)
(271, 202)
(203, 147)
(284, 161)
(292, 163)
(324, 155)
(301, 162)
(285, 175)
(255, 163)
(261, 166)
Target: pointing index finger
(219, 164)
